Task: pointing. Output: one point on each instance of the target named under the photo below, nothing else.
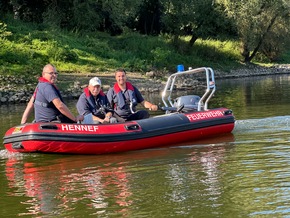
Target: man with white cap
(94, 101)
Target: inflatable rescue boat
(186, 118)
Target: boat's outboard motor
(190, 102)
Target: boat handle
(228, 112)
(132, 127)
(48, 126)
(17, 145)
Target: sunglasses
(52, 73)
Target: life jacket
(97, 108)
(120, 98)
(44, 104)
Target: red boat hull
(160, 131)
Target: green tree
(85, 15)
(103, 15)
(148, 18)
(27, 10)
(259, 23)
(199, 19)
(114, 14)
(58, 14)
(78, 15)
(4, 7)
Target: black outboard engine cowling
(190, 102)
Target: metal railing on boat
(203, 102)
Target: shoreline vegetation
(25, 47)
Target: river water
(243, 174)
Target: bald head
(49, 73)
(49, 68)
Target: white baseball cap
(95, 81)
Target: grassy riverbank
(30, 46)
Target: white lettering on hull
(200, 116)
(79, 128)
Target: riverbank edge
(13, 92)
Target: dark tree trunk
(192, 40)
(263, 37)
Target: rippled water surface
(243, 174)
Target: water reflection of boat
(107, 182)
(71, 176)
(102, 182)
(187, 118)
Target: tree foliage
(199, 19)
(262, 25)
(148, 18)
